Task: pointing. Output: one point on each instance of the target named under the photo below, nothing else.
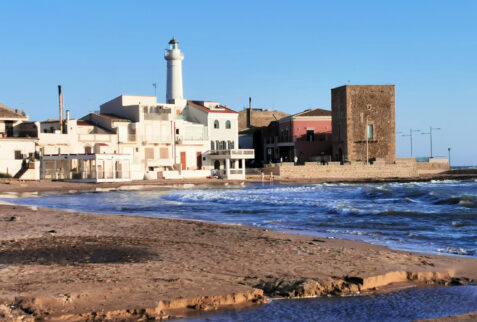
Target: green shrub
(4, 175)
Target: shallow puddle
(404, 305)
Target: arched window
(216, 124)
(217, 145)
(212, 145)
(231, 145)
(227, 125)
(224, 145)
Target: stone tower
(363, 123)
(174, 59)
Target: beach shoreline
(38, 186)
(62, 265)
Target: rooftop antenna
(155, 89)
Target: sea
(436, 217)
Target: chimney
(67, 124)
(60, 99)
(249, 113)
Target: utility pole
(430, 136)
(410, 136)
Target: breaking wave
(436, 216)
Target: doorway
(199, 160)
(183, 160)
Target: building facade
(305, 135)
(363, 123)
(16, 149)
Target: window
(18, 155)
(231, 145)
(370, 131)
(217, 145)
(227, 125)
(164, 153)
(149, 153)
(216, 124)
(310, 135)
(224, 145)
(177, 131)
(212, 145)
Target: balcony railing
(234, 152)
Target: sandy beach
(66, 266)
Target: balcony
(233, 154)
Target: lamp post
(155, 89)
(430, 136)
(367, 143)
(449, 149)
(410, 136)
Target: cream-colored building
(16, 152)
(173, 140)
(177, 139)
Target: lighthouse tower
(174, 59)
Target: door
(183, 160)
(199, 160)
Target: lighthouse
(174, 59)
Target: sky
(286, 55)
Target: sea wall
(402, 168)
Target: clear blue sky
(285, 54)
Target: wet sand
(59, 265)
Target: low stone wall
(434, 166)
(406, 168)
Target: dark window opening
(18, 155)
(310, 134)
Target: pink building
(306, 135)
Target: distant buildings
(360, 127)
(134, 137)
(306, 135)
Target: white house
(15, 151)
(135, 137)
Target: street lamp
(410, 136)
(430, 136)
(449, 149)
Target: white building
(135, 137)
(180, 138)
(16, 152)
